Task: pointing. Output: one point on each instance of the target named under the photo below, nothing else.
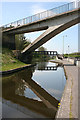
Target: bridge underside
(54, 26)
(8, 41)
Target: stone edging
(64, 109)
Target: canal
(36, 90)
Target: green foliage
(74, 55)
(21, 42)
(7, 56)
(42, 48)
(8, 60)
(38, 57)
(11, 66)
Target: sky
(13, 11)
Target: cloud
(37, 9)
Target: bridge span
(53, 53)
(53, 21)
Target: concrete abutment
(8, 41)
(26, 58)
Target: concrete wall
(75, 62)
(8, 41)
(71, 60)
(78, 63)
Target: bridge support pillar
(8, 41)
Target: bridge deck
(43, 15)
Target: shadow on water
(19, 86)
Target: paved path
(69, 101)
(0, 109)
(79, 92)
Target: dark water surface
(38, 88)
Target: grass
(70, 114)
(71, 98)
(12, 66)
(9, 61)
(72, 55)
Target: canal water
(38, 88)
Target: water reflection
(53, 81)
(27, 89)
(45, 66)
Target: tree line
(22, 42)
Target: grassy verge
(72, 55)
(12, 66)
(9, 61)
(71, 98)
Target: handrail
(40, 16)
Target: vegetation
(42, 48)
(73, 55)
(8, 60)
(38, 57)
(21, 41)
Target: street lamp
(68, 52)
(63, 44)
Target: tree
(42, 57)
(21, 42)
(42, 48)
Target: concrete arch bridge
(54, 21)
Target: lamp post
(63, 44)
(68, 53)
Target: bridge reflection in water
(43, 66)
(49, 68)
(14, 89)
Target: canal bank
(69, 101)
(10, 62)
(16, 69)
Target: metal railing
(40, 16)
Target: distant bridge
(53, 53)
(53, 21)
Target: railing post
(31, 18)
(39, 16)
(23, 21)
(17, 23)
